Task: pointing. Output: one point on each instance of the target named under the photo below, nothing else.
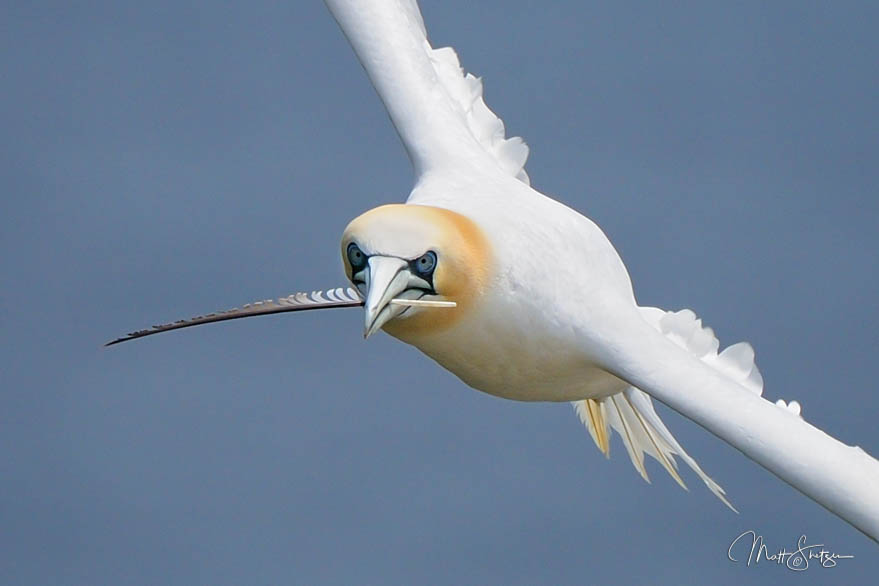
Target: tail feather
(635, 437)
(663, 444)
(593, 417)
(630, 412)
(644, 406)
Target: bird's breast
(516, 357)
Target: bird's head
(408, 252)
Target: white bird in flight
(515, 293)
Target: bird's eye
(356, 258)
(425, 263)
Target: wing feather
(436, 107)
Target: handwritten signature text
(797, 560)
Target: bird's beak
(387, 277)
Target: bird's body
(543, 307)
(527, 335)
(547, 312)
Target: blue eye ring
(356, 257)
(426, 263)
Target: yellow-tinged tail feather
(630, 412)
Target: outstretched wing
(437, 109)
(296, 302)
(723, 396)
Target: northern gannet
(517, 294)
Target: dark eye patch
(423, 267)
(356, 258)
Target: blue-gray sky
(163, 159)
